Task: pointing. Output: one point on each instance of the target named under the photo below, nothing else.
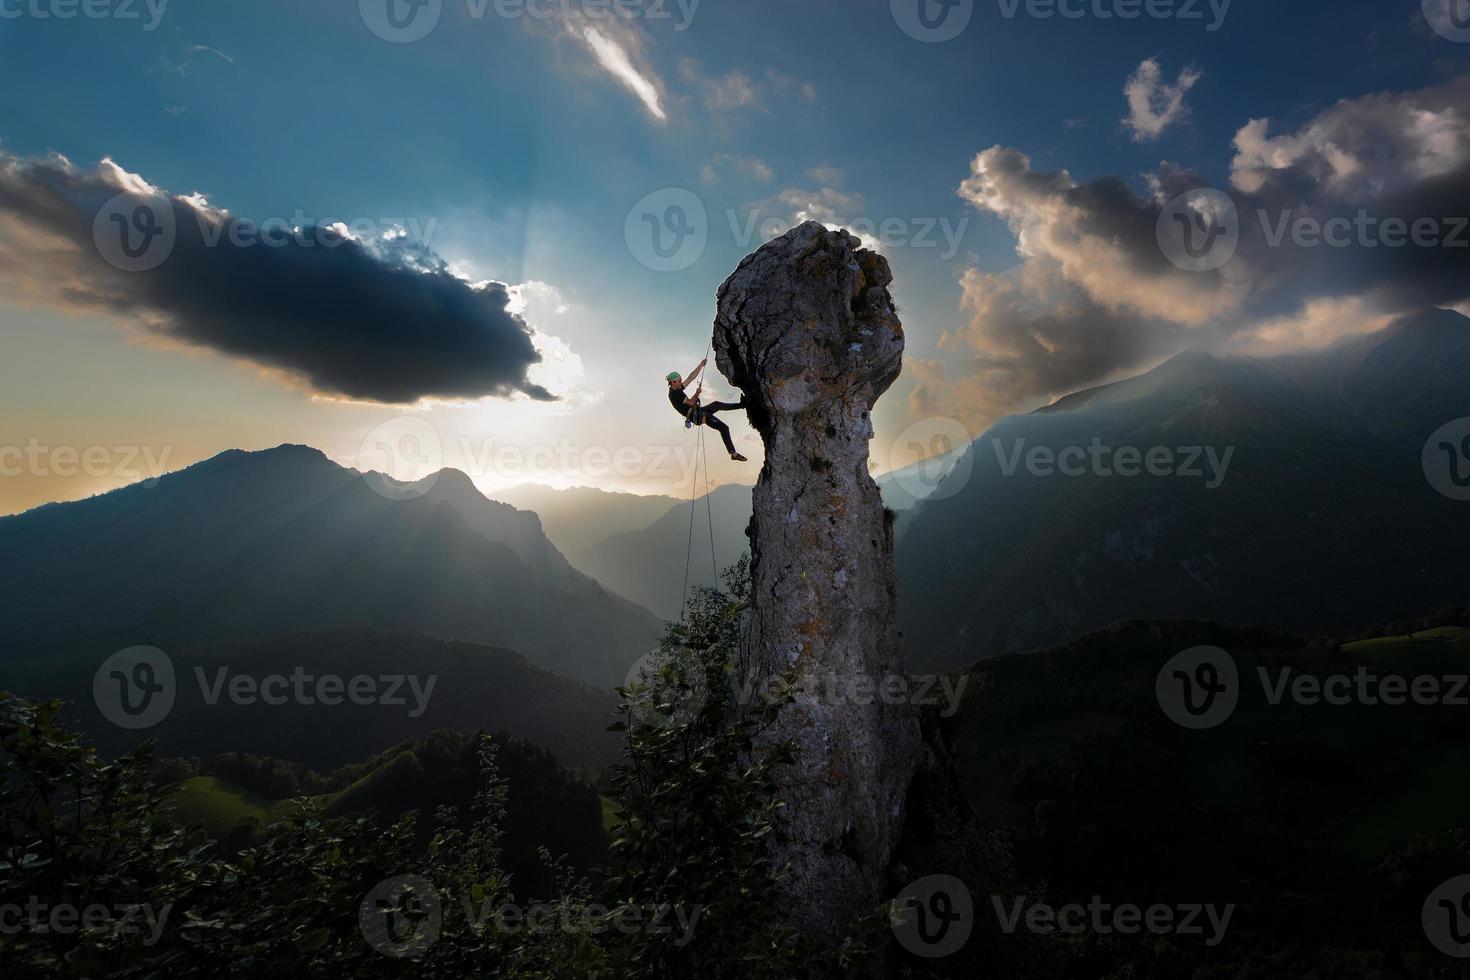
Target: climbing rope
(689, 547)
(700, 456)
(709, 511)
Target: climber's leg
(720, 427)
(724, 406)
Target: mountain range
(1295, 498)
(250, 545)
(448, 684)
(646, 563)
(579, 517)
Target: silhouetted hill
(546, 805)
(647, 566)
(251, 545)
(474, 688)
(1323, 521)
(580, 517)
(627, 543)
(1325, 825)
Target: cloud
(1370, 147)
(1095, 295)
(734, 163)
(1153, 104)
(722, 93)
(1031, 335)
(825, 174)
(372, 318)
(1099, 236)
(831, 206)
(622, 58)
(1319, 323)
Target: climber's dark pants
(705, 415)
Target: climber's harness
(693, 417)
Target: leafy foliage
(106, 883)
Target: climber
(696, 414)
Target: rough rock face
(807, 330)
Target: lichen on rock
(806, 329)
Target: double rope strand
(699, 455)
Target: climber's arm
(698, 369)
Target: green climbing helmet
(674, 376)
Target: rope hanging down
(699, 455)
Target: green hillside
(236, 795)
(219, 805)
(1327, 825)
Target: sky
(478, 233)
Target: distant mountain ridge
(248, 545)
(456, 685)
(579, 517)
(1324, 521)
(648, 565)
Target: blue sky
(521, 152)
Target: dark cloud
(1097, 293)
(374, 317)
